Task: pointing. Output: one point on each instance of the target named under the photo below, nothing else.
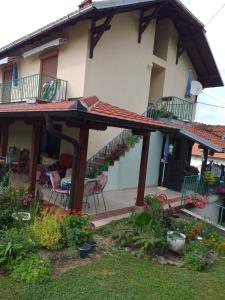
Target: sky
(27, 16)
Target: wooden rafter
(97, 31)
(146, 19)
(180, 50)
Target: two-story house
(130, 54)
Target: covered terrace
(84, 114)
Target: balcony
(171, 108)
(38, 86)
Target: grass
(123, 277)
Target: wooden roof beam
(145, 20)
(97, 31)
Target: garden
(31, 235)
(42, 249)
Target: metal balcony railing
(172, 108)
(37, 86)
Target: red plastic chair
(56, 188)
(102, 180)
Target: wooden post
(204, 162)
(143, 170)
(4, 139)
(77, 200)
(36, 132)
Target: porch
(81, 115)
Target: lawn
(121, 276)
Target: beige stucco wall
(20, 135)
(119, 73)
(176, 75)
(71, 59)
(72, 132)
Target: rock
(127, 249)
(162, 260)
(134, 253)
(179, 264)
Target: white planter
(25, 216)
(176, 244)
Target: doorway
(156, 83)
(49, 66)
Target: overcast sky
(22, 17)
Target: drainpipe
(62, 136)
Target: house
(213, 157)
(135, 55)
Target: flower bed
(22, 241)
(146, 234)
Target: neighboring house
(197, 151)
(137, 55)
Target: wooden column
(77, 200)
(36, 132)
(143, 170)
(205, 159)
(4, 139)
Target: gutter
(62, 136)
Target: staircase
(112, 152)
(166, 107)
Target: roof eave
(201, 141)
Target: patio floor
(120, 199)
(118, 202)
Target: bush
(47, 232)
(74, 228)
(11, 200)
(35, 268)
(145, 230)
(197, 256)
(15, 243)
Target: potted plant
(176, 241)
(84, 250)
(92, 244)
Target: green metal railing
(171, 107)
(195, 184)
(111, 152)
(35, 86)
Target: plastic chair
(56, 188)
(101, 183)
(89, 190)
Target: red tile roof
(208, 133)
(92, 104)
(196, 151)
(105, 109)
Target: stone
(179, 264)
(162, 260)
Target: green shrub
(47, 232)
(32, 269)
(11, 200)
(197, 256)
(74, 228)
(144, 231)
(15, 243)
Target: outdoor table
(66, 182)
